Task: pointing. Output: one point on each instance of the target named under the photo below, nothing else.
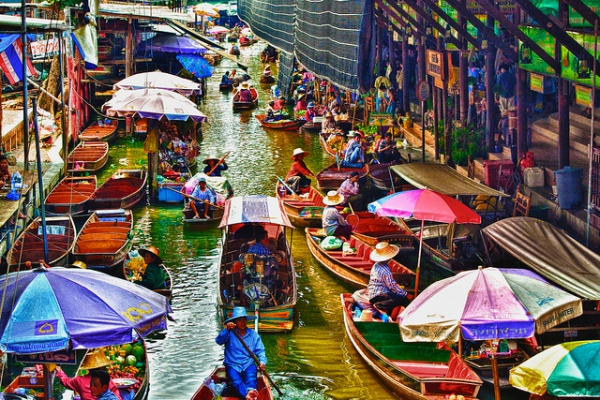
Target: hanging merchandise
(151, 142)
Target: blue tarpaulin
(195, 65)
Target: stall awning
(561, 259)
(443, 179)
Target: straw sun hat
(211, 157)
(333, 198)
(384, 251)
(245, 85)
(95, 359)
(151, 250)
(298, 151)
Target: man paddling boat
(238, 362)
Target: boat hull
(105, 240)
(303, 211)
(105, 132)
(219, 375)
(354, 269)
(88, 157)
(331, 177)
(122, 190)
(72, 195)
(245, 105)
(29, 246)
(188, 217)
(281, 125)
(418, 371)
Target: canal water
(316, 360)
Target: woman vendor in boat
(95, 360)
(210, 162)
(350, 190)
(240, 366)
(225, 80)
(154, 277)
(385, 294)
(328, 125)
(245, 93)
(203, 198)
(310, 112)
(273, 113)
(297, 176)
(333, 222)
(4, 171)
(353, 154)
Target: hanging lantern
(583, 70)
(408, 30)
(525, 53)
(428, 31)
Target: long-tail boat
(72, 195)
(130, 275)
(280, 125)
(372, 229)
(88, 157)
(303, 210)
(413, 371)
(354, 267)
(264, 285)
(124, 189)
(104, 240)
(245, 105)
(102, 129)
(28, 249)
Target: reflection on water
(316, 360)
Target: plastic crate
(498, 173)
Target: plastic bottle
(385, 318)
(17, 180)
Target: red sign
(423, 91)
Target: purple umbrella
(50, 309)
(168, 43)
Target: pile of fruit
(135, 267)
(128, 362)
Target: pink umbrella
(426, 205)
(215, 30)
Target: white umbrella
(153, 105)
(206, 9)
(159, 80)
(121, 96)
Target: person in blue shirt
(240, 366)
(385, 294)
(260, 246)
(507, 81)
(210, 162)
(203, 198)
(353, 154)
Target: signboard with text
(52, 357)
(434, 64)
(583, 96)
(44, 48)
(536, 82)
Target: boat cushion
(423, 369)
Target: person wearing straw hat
(297, 176)
(210, 162)
(154, 276)
(333, 222)
(95, 360)
(240, 366)
(328, 125)
(245, 94)
(385, 294)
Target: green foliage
(367, 129)
(466, 142)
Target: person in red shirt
(297, 176)
(94, 360)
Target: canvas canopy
(561, 259)
(260, 209)
(442, 179)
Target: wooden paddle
(352, 218)
(256, 361)
(193, 198)
(217, 164)
(290, 189)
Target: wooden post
(129, 49)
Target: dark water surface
(316, 360)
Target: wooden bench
(423, 370)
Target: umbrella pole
(418, 273)
(495, 372)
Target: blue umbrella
(196, 65)
(50, 309)
(168, 43)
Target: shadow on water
(316, 360)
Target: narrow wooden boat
(188, 216)
(72, 195)
(267, 79)
(104, 240)
(222, 188)
(331, 177)
(219, 376)
(332, 151)
(88, 157)
(245, 105)
(372, 229)
(224, 87)
(245, 41)
(313, 126)
(265, 285)
(413, 371)
(235, 50)
(303, 210)
(122, 190)
(282, 124)
(28, 249)
(381, 177)
(104, 130)
(23, 382)
(167, 291)
(353, 269)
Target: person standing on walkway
(507, 82)
(297, 176)
(240, 366)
